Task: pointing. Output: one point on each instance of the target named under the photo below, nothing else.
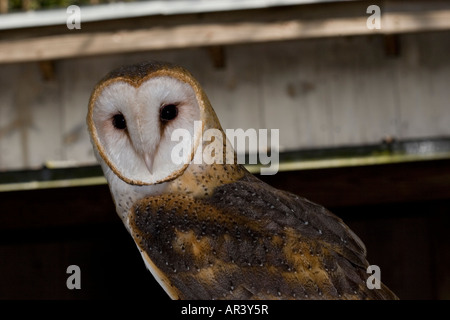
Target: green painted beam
(381, 154)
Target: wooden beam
(4, 6)
(335, 187)
(158, 38)
(371, 185)
(300, 22)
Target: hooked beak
(149, 162)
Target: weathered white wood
(288, 84)
(235, 91)
(440, 83)
(376, 107)
(318, 92)
(358, 91)
(4, 6)
(120, 10)
(41, 100)
(78, 78)
(414, 81)
(11, 151)
(30, 121)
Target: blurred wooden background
(313, 70)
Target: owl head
(132, 114)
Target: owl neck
(200, 180)
(214, 164)
(125, 195)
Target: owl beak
(149, 162)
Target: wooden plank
(206, 32)
(30, 124)
(294, 86)
(290, 88)
(341, 74)
(314, 92)
(77, 79)
(4, 6)
(437, 62)
(10, 136)
(376, 106)
(70, 45)
(413, 80)
(355, 98)
(236, 95)
(319, 124)
(337, 187)
(419, 21)
(359, 72)
(43, 103)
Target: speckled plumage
(217, 232)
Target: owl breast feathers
(212, 231)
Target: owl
(211, 230)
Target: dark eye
(119, 122)
(168, 112)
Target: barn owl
(212, 230)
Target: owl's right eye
(119, 122)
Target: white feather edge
(158, 275)
(154, 270)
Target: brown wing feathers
(251, 241)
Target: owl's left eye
(168, 112)
(119, 122)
